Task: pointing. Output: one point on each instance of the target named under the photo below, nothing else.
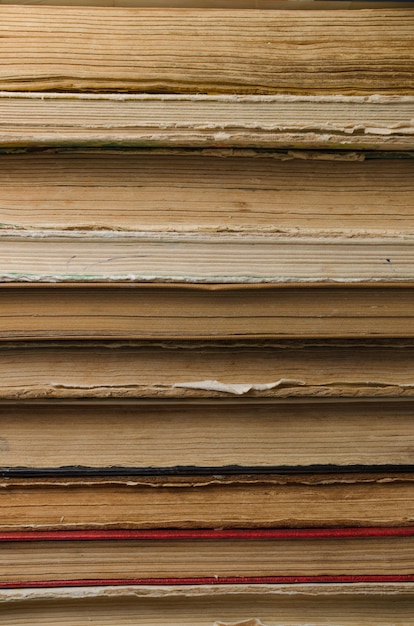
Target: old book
(324, 369)
(182, 312)
(207, 259)
(157, 557)
(218, 195)
(82, 120)
(211, 501)
(343, 604)
(206, 51)
(216, 436)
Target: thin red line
(209, 580)
(259, 534)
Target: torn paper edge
(206, 385)
(238, 389)
(233, 235)
(246, 622)
(144, 97)
(184, 591)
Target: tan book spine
(185, 312)
(208, 605)
(282, 370)
(206, 51)
(216, 194)
(204, 259)
(217, 436)
(293, 122)
(262, 501)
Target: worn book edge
(380, 122)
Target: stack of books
(207, 314)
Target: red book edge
(206, 534)
(210, 580)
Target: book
(284, 370)
(183, 312)
(226, 260)
(217, 196)
(81, 558)
(212, 605)
(75, 121)
(211, 501)
(46, 48)
(210, 436)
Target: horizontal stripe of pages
(206, 535)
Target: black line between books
(226, 470)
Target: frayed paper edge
(248, 622)
(239, 389)
(289, 98)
